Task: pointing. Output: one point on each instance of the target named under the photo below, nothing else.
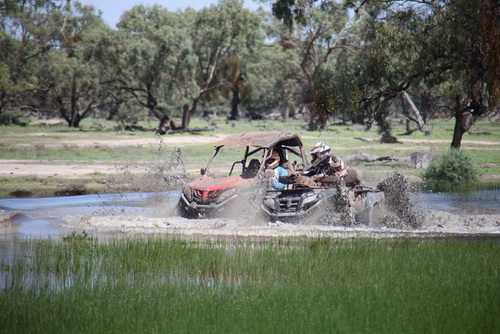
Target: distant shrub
(72, 190)
(11, 117)
(454, 168)
(19, 193)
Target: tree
(270, 83)
(435, 43)
(29, 31)
(221, 35)
(432, 43)
(318, 34)
(155, 60)
(45, 65)
(73, 71)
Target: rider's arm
(281, 172)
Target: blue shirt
(278, 171)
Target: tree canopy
(323, 60)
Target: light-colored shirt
(278, 171)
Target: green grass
(276, 286)
(47, 187)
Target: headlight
(309, 199)
(269, 202)
(188, 192)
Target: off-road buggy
(245, 187)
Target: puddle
(40, 217)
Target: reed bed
(247, 286)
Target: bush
(11, 117)
(454, 168)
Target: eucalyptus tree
(74, 70)
(155, 60)
(44, 68)
(222, 35)
(29, 29)
(451, 47)
(270, 81)
(318, 35)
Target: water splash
(398, 201)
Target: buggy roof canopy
(263, 139)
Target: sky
(113, 9)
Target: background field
(46, 159)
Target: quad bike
(324, 201)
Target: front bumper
(295, 205)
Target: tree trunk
(408, 127)
(186, 116)
(285, 113)
(359, 117)
(414, 114)
(235, 102)
(463, 123)
(318, 119)
(194, 106)
(75, 120)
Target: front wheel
(183, 212)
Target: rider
(325, 164)
(273, 163)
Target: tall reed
(280, 285)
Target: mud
(436, 224)
(164, 170)
(242, 222)
(398, 201)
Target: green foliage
(454, 168)
(244, 286)
(11, 117)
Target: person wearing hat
(324, 165)
(273, 164)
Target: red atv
(216, 193)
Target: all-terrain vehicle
(217, 193)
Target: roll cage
(288, 145)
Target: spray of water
(398, 201)
(344, 206)
(164, 170)
(246, 209)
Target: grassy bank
(278, 286)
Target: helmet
(273, 161)
(319, 152)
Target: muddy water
(42, 217)
(474, 211)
